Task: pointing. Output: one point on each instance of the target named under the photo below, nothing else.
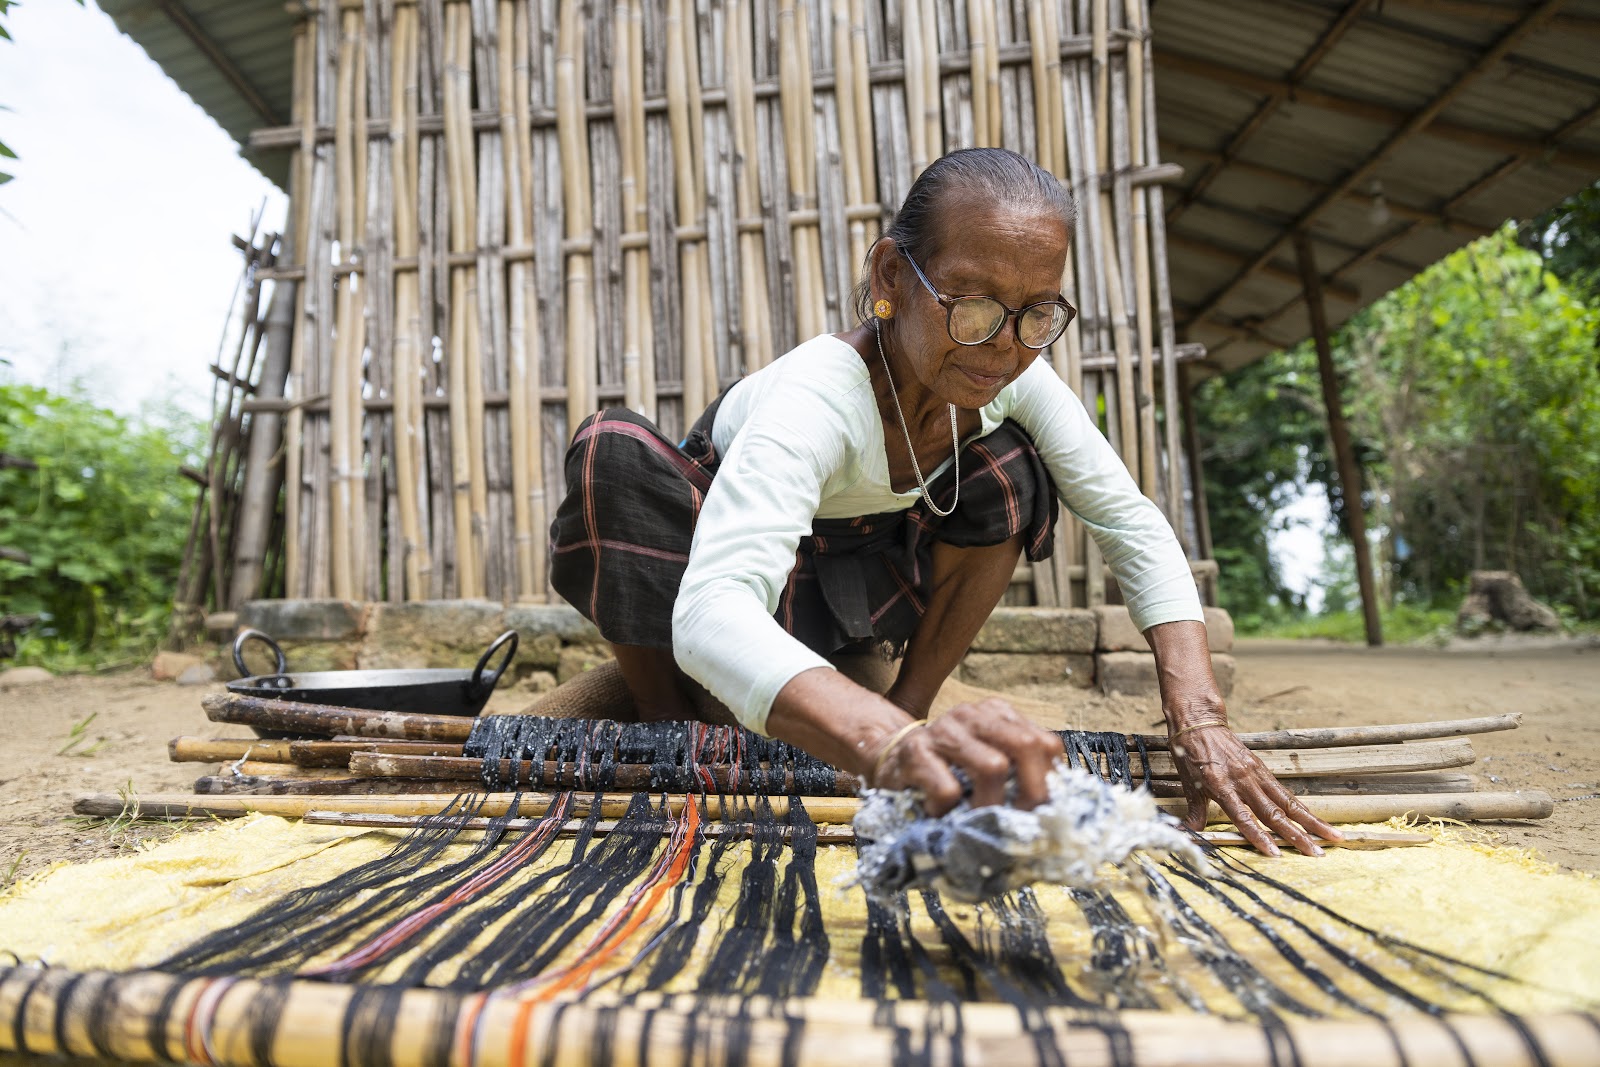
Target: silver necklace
(955, 438)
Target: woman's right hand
(990, 742)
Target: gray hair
(997, 175)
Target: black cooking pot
(431, 691)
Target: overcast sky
(116, 267)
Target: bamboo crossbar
(49, 1011)
(1530, 804)
(505, 214)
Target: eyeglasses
(974, 320)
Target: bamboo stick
(573, 132)
(1337, 736)
(755, 314)
(700, 380)
(796, 100)
(410, 460)
(1143, 314)
(314, 719)
(627, 104)
(1285, 763)
(51, 1011)
(338, 751)
(1529, 804)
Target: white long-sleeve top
(801, 439)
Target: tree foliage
(1473, 393)
(103, 521)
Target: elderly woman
(872, 490)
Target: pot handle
(482, 683)
(256, 635)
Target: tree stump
(1498, 597)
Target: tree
(102, 521)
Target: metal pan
(431, 691)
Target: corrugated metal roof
(234, 58)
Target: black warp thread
(584, 754)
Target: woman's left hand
(1213, 764)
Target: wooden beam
(1414, 125)
(209, 48)
(1269, 106)
(1339, 430)
(1386, 114)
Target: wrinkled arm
(1213, 763)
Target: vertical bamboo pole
(1170, 383)
(697, 390)
(345, 407)
(932, 82)
(867, 143)
(627, 104)
(521, 322)
(755, 312)
(305, 77)
(911, 31)
(1127, 420)
(466, 380)
(409, 458)
(572, 128)
(978, 44)
(796, 101)
(1148, 475)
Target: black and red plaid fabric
(620, 539)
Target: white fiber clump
(1087, 827)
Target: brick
(1134, 673)
(304, 620)
(1116, 632)
(1001, 670)
(1219, 630)
(198, 674)
(1036, 630)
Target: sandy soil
(56, 750)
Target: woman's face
(1015, 256)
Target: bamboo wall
(507, 213)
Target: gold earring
(883, 309)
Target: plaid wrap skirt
(620, 539)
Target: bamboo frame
(507, 213)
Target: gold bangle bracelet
(890, 745)
(1197, 726)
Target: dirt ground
(57, 751)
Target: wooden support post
(1349, 477)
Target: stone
(575, 659)
(1498, 596)
(17, 677)
(1011, 629)
(305, 656)
(1002, 670)
(1116, 632)
(304, 620)
(562, 620)
(167, 666)
(198, 674)
(1219, 630)
(540, 651)
(537, 682)
(1134, 673)
(430, 633)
